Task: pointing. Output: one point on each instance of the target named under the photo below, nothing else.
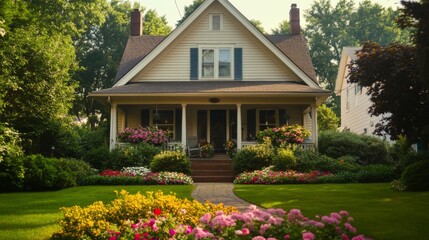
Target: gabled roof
(292, 46)
(349, 53)
(296, 57)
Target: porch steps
(216, 169)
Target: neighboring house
(355, 102)
(215, 77)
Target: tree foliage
(330, 28)
(189, 10)
(391, 75)
(284, 28)
(326, 118)
(258, 25)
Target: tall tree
(189, 10)
(258, 25)
(38, 60)
(326, 118)
(391, 75)
(284, 28)
(330, 28)
(99, 52)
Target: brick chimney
(295, 28)
(136, 23)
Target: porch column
(314, 124)
(238, 126)
(113, 125)
(184, 125)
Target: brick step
(205, 172)
(211, 161)
(212, 167)
(213, 178)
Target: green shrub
(416, 176)
(171, 161)
(284, 160)
(375, 173)
(78, 168)
(9, 143)
(397, 185)
(368, 149)
(45, 173)
(11, 174)
(311, 161)
(103, 180)
(342, 177)
(253, 157)
(133, 155)
(98, 158)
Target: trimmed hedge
(368, 149)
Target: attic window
(215, 22)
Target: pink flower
(264, 228)
(345, 237)
(307, 236)
(350, 227)
(245, 231)
(286, 237)
(206, 218)
(343, 213)
(360, 237)
(172, 232)
(258, 238)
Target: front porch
(214, 123)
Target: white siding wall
(356, 118)
(174, 62)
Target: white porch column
(239, 126)
(314, 124)
(113, 125)
(184, 125)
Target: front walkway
(218, 193)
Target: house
(355, 102)
(215, 77)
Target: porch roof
(211, 87)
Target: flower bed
(138, 176)
(293, 134)
(267, 176)
(159, 216)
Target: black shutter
(194, 64)
(238, 64)
(282, 117)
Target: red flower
(157, 211)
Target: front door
(218, 129)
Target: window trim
(153, 124)
(216, 61)
(258, 116)
(211, 21)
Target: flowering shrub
(98, 219)
(114, 173)
(267, 176)
(252, 224)
(148, 135)
(170, 161)
(293, 134)
(252, 157)
(231, 148)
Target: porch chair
(193, 147)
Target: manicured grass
(378, 212)
(35, 215)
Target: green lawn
(378, 212)
(35, 215)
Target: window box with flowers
(207, 150)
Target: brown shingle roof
(199, 87)
(293, 46)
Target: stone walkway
(218, 193)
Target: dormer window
(215, 22)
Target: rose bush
(267, 176)
(288, 134)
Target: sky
(269, 12)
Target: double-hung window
(216, 63)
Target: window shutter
(194, 64)
(144, 120)
(251, 124)
(178, 125)
(238, 63)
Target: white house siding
(174, 62)
(356, 118)
(307, 121)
